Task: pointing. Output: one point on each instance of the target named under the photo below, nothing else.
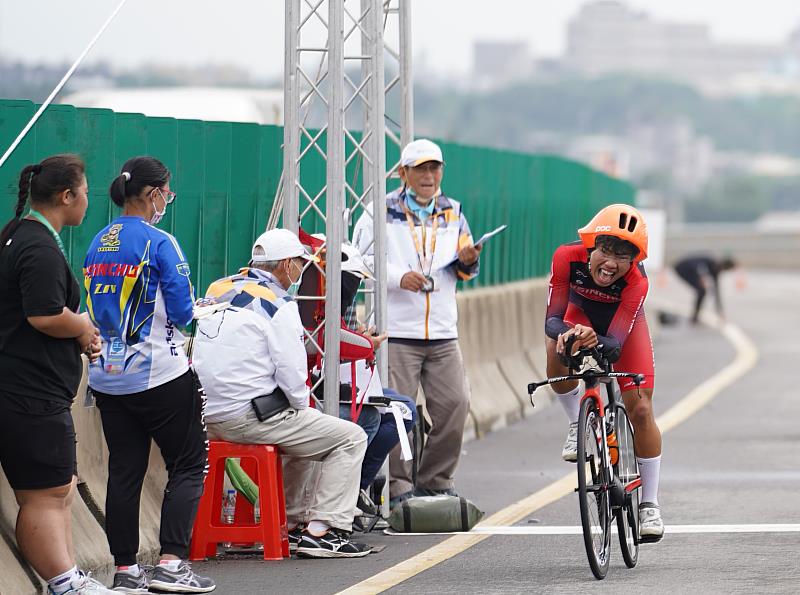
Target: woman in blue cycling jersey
(139, 296)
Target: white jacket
(420, 315)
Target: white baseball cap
(279, 244)
(352, 261)
(420, 151)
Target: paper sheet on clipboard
(490, 234)
(367, 381)
(482, 240)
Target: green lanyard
(41, 219)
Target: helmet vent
(632, 224)
(623, 219)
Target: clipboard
(490, 234)
(482, 240)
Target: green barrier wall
(226, 174)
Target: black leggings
(172, 415)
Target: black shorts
(37, 444)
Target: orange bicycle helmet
(621, 221)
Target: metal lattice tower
(398, 92)
(334, 79)
(397, 43)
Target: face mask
(157, 217)
(294, 289)
(413, 193)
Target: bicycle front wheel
(593, 493)
(627, 470)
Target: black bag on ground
(434, 514)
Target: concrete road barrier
(492, 400)
(513, 361)
(15, 575)
(501, 334)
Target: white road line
(746, 357)
(577, 530)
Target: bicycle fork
(618, 493)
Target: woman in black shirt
(41, 340)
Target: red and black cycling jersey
(574, 297)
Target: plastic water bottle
(228, 510)
(613, 447)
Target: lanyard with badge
(422, 258)
(41, 219)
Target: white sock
(63, 582)
(318, 528)
(571, 402)
(132, 569)
(170, 564)
(649, 469)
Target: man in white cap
(251, 361)
(429, 249)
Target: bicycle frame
(607, 414)
(591, 379)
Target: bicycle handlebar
(591, 373)
(574, 361)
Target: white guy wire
(59, 86)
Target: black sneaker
(294, 537)
(129, 582)
(182, 580)
(334, 544)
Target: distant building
(608, 36)
(498, 63)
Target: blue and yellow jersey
(138, 293)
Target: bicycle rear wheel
(627, 470)
(593, 493)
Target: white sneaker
(86, 585)
(651, 527)
(570, 451)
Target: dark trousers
(385, 439)
(693, 279)
(172, 415)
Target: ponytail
(137, 174)
(117, 189)
(38, 183)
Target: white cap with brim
(279, 244)
(352, 261)
(420, 151)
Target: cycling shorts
(637, 352)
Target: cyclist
(596, 292)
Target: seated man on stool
(251, 361)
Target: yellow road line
(746, 357)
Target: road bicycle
(608, 474)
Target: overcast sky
(249, 33)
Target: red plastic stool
(272, 532)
